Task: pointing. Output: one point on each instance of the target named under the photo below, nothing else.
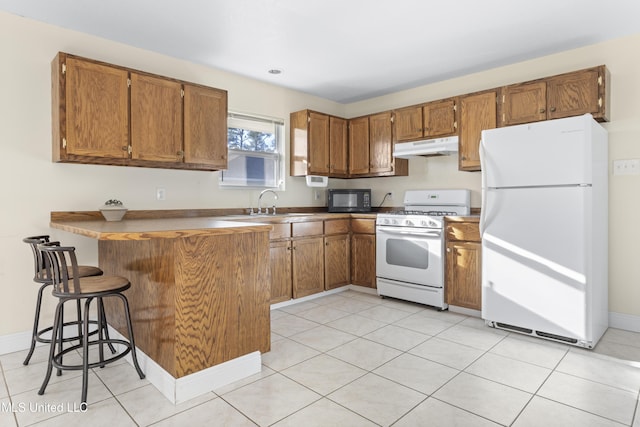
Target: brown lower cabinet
(463, 264)
(308, 257)
(337, 253)
(363, 252)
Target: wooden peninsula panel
(200, 287)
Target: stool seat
(94, 286)
(83, 271)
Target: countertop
(158, 227)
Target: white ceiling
(345, 50)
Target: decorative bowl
(113, 210)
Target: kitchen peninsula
(200, 290)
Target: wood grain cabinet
(307, 247)
(106, 114)
(430, 120)
(318, 144)
(371, 147)
(280, 262)
(570, 94)
(363, 252)
(478, 111)
(463, 264)
(337, 253)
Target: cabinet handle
(542, 110)
(124, 148)
(180, 154)
(553, 109)
(449, 250)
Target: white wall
(31, 185)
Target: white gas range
(410, 245)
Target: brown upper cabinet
(318, 144)
(569, 94)
(478, 111)
(371, 147)
(106, 114)
(430, 120)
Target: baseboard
(324, 294)
(465, 311)
(628, 322)
(178, 390)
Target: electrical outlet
(626, 167)
(390, 197)
(316, 194)
(161, 193)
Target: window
(256, 152)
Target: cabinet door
(440, 118)
(407, 123)
(280, 259)
(156, 119)
(205, 126)
(363, 260)
(95, 91)
(524, 103)
(463, 284)
(308, 266)
(338, 143)
(359, 146)
(318, 144)
(380, 143)
(574, 94)
(337, 255)
(477, 112)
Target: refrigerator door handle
(483, 189)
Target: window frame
(278, 156)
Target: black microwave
(348, 200)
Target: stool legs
(36, 321)
(131, 339)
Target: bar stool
(41, 277)
(70, 287)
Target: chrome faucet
(275, 195)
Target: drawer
(280, 231)
(463, 231)
(363, 226)
(311, 228)
(336, 226)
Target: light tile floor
(353, 359)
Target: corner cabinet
(110, 115)
(564, 95)
(463, 263)
(318, 144)
(371, 147)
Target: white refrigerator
(544, 227)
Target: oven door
(412, 255)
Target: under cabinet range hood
(428, 147)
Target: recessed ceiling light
(275, 71)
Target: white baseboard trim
(628, 322)
(324, 294)
(178, 390)
(15, 342)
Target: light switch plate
(626, 167)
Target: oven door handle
(412, 232)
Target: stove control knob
(423, 223)
(432, 223)
(409, 222)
